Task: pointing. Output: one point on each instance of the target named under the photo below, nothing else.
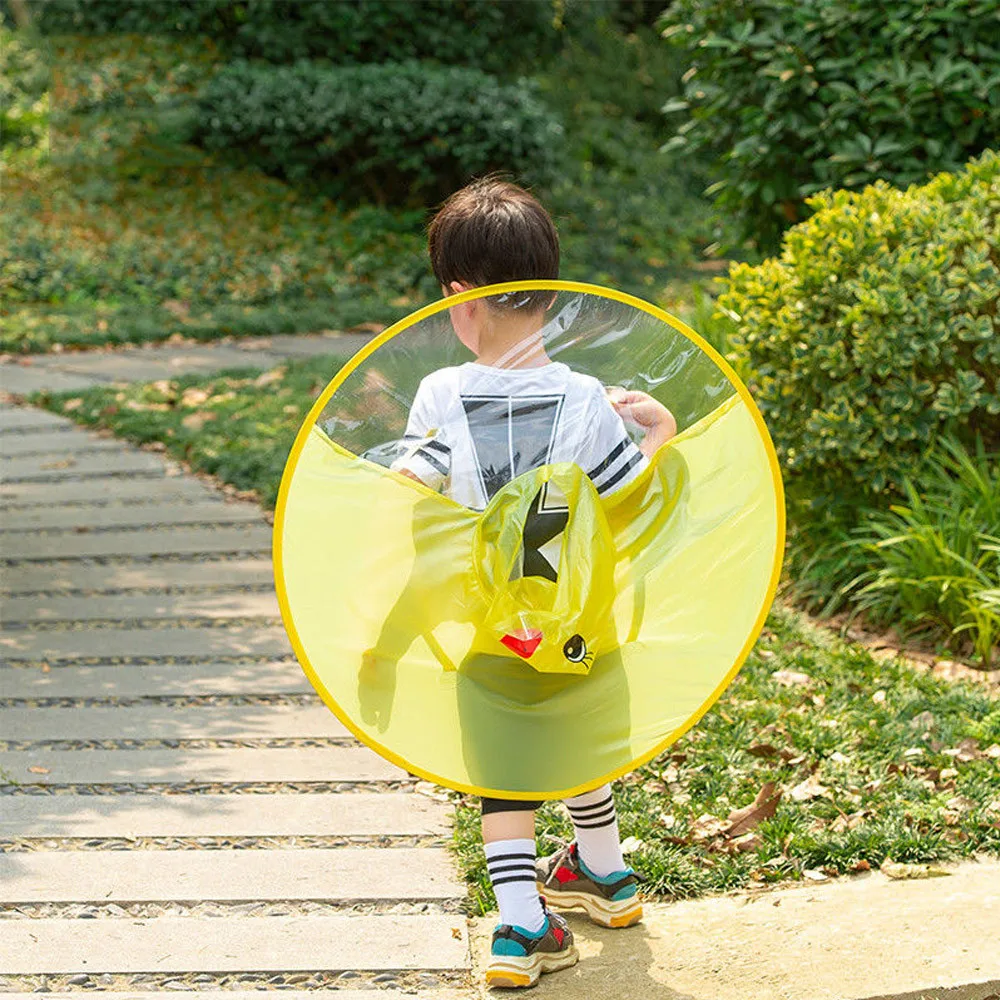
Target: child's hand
(641, 409)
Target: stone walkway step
(321, 814)
(211, 572)
(217, 604)
(85, 491)
(337, 875)
(233, 944)
(47, 468)
(74, 370)
(54, 442)
(109, 643)
(175, 767)
(141, 680)
(127, 515)
(150, 722)
(151, 542)
(16, 419)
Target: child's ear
(456, 288)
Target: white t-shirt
(472, 429)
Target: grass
(927, 565)
(874, 759)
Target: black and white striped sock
(511, 865)
(595, 824)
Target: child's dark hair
(492, 231)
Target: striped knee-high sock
(512, 871)
(595, 823)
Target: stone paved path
(177, 808)
(72, 370)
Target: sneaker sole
(513, 972)
(606, 912)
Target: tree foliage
(793, 96)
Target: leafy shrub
(793, 96)
(876, 331)
(396, 132)
(24, 98)
(934, 560)
(489, 34)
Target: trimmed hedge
(793, 96)
(488, 34)
(397, 132)
(877, 330)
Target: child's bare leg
(509, 842)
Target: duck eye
(575, 649)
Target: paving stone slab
(22, 380)
(19, 418)
(166, 362)
(127, 515)
(328, 814)
(55, 443)
(236, 640)
(42, 468)
(154, 541)
(166, 606)
(141, 680)
(168, 722)
(343, 873)
(309, 345)
(79, 491)
(224, 944)
(333, 994)
(165, 767)
(849, 939)
(31, 577)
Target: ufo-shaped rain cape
(490, 577)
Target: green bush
(793, 96)
(934, 560)
(489, 34)
(24, 97)
(395, 133)
(875, 332)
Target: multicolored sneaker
(612, 901)
(520, 957)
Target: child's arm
(425, 458)
(651, 415)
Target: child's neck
(514, 348)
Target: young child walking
(471, 430)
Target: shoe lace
(561, 856)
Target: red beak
(523, 642)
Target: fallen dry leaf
(456, 932)
(72, 404)
(274, 375)
(815, 875)
(763, 750)
(899, 870)
(790, 678)
(861, 866)
(366, 328)
(630, 844)
(992, 751)
(707, 826)
(195, 421)
(808, 789)
(35, 769)
(62, 464)
(763, 807)
(878, 697)
(193, 397)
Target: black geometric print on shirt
(511, 435)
